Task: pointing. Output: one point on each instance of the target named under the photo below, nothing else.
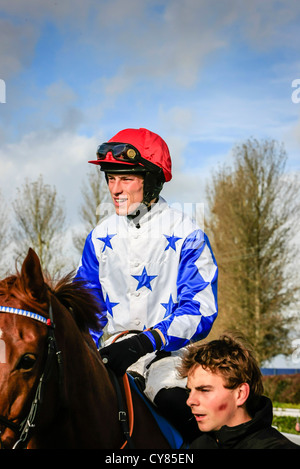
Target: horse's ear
(32, 275)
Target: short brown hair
(229, 356)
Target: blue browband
(23, 429)
(22, 312)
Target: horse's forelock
(79, 300)
(13, 288)
(74, 295)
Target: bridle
(24, 429)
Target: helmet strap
(141, 210)
(152, 187)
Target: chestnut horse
(55, 391)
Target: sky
(203, 74)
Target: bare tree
(254, 215)
(96, 205)
(40, 223)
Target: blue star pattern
(106, 241)
(144, 279)
(177, 277)
(168, 307)
(171, 240)
(110, 305)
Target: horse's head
(21, 343)
(26, 335)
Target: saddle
(133, 383)
(168, 430)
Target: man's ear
(243, 393)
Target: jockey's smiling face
(126, 191)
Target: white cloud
(17, 43)
(61, 158)
(35, 11)
(150, 67)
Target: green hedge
(284, 391)
(285, 424)
(283, 388)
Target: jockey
(153, 271)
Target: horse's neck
(82, 411)
(90, 396)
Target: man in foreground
(225, 396)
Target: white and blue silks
(161, 274)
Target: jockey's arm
(196, 307)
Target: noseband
(53, 355)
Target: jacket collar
(262, 418)
(144, 213)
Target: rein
(24, 428)
(127, 429)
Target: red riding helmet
(137, 151)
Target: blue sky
(204, 74)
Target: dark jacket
(258, 433)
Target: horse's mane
(79, 300)
(74, 295)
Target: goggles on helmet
(120, 151)
(124, 152)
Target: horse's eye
(26, 362)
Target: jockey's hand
(120, 355)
